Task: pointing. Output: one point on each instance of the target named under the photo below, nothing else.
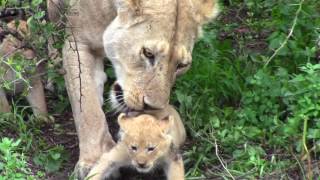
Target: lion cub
(146, 141)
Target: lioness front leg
(90, 121)
(175, 168)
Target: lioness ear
(205, 10)
(134, 3)
(166, 124)
(122, 120)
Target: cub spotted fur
(146, 141)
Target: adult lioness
(149, 43)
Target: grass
(250, 102)
(249, 93)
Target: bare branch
(294, 24)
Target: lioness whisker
(118, 107)
(110, 98)
(118, 110)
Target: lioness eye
(134, 148)
(181, 66)
(148, 54)
(150, 149)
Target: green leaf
(313, 133)
(55, 156)
(36, 2)
(215, 122)
(39, 15)
(252, 132)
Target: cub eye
(134, 148)
(150, 149)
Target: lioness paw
(81, 170)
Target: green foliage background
(263, 117)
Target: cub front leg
(109, 162)
(175, 167)
(90, 121)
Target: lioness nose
(147, 106)
(142, 165)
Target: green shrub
(263, 118)
(13, 164)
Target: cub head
(149, 44)
(146, 139)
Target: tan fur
(56, 8)
(140, 133)
(120, 30)
(9, 47)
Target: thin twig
(305, 148)
(221, 161)
(294, 24)
(299, 164)
(217, 151)
(17, 73)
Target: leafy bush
(262, 113)
(13, 165)
(51, 159)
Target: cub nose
(142, 165)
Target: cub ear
(123, 121)
(166, 124)
(205, 10)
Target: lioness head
(146, 139)
(149, 44)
